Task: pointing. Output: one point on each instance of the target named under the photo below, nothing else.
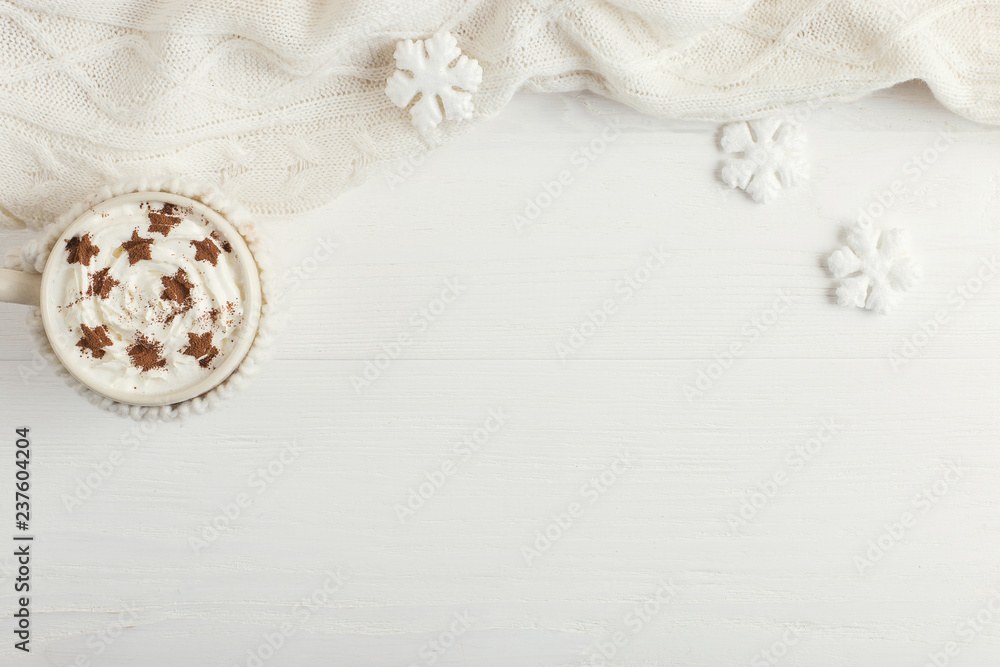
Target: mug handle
(20, 287)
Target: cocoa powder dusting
(81, 250)
(222, 242)
(161, 224)
(206, 361)
(146, 353)
(164, 220)
(101, 284)
(206, 250)
(176, 288)
(137, 248)
(200, 347)
(94, 340)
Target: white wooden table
(476, 500)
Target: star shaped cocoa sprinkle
(222, 242)
(200, 347)
(164, 220)
(137, 248)
(101, 284)
(176, 288)
(81, 250)
(145, 353)
(207, 250)
(95, 340)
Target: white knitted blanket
(282, 103)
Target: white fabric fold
(281, 103)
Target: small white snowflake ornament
(873, 268)
(769, 156)
(440, 85)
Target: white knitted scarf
(282, 103)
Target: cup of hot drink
(147, 298)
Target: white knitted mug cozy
(31, 258)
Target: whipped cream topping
(150, 297)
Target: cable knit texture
(32, 257)
(282, 103)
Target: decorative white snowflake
(438, 83)
(873, 268)
(771, 155)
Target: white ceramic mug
(53, 291)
